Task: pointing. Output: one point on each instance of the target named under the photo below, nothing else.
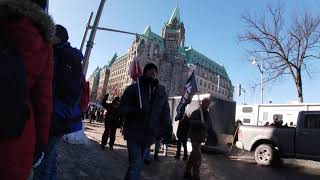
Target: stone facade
(174, 60)
(103, 82)
(94, 84)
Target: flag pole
(201, 112)
(138, 83)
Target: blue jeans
(47, 170)
(136, 151)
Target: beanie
(149, 66)
(62, 33)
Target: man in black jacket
(197, 133)
(143, 125)
(112, 121)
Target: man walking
(112, 121)
(197, 134)
(143, 125)
(67, 87)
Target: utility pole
(91, 38)
(86, 32)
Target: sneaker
(102, 147)
(111, 148)
(187, 175)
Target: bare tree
(287, 43)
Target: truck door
(308, 135)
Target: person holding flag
(147, 113)
(199, 121)
(197, 126)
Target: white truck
(264, 114)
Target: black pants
(109, 131)
(184, 144)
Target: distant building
(94, 83)
(103, 82)
(174, 60)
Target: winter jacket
(113, 117)
(198, 130)
(183, 128)
(29, 31)
(147, 123)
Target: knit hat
(42, 3)
(149, 66)
(62, 33)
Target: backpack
(13, 108)
(67, 75)
(67, 89)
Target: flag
(134, 69)
(190, 88)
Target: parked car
(269, 143)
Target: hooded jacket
(147, 123)
(29, 31)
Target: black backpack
(67, 75)
(13, 94)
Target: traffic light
(239, 89)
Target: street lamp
(260, 67)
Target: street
(91, 162)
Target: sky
(211, 27)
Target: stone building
(174, 60)
(94, 84)
(103, 82)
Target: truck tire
(265, 154)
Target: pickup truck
(271, 143)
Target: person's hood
(33, 12)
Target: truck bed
(282, 138)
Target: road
(92, 163)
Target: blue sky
(211, 28)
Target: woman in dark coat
(29, 31)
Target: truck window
(312, 121)
(265, 116)
(277, 116)
(247, 109)
(246, 120)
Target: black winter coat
(147, 123)
(183, 128)
(198, 130)
(113, 118)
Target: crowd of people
(48, 95)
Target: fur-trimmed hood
(36, 15)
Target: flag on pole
(135, 72)
(190, 89)
(134, 69)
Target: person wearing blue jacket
(67, 87)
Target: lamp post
(260, 67)
(92, 36)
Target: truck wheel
(264, 154)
